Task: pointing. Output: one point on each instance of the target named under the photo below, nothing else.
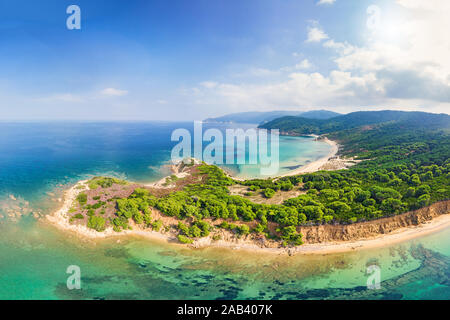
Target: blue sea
(39, 160)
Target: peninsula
(399, 179)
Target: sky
(193, 59)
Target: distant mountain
(319, 114)
(263, 117)
(253, 117)
(301, 125)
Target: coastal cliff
(369, 229)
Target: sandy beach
(60, 218)
(316, 165)
(386, 240)
(324, 163)
(400, 235)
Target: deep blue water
(37, 155)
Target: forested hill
(301, 125)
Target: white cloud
(256, 72)
(299, 89)
(79, 97)
(114, 92)
(407, 53)
(304, 64)
(262, 72)
(315, 34)
(321, 2)
(403, 65)
(61, 97)
(209, 84)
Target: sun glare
(392, 26)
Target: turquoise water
(39, 160)
(294, 152)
